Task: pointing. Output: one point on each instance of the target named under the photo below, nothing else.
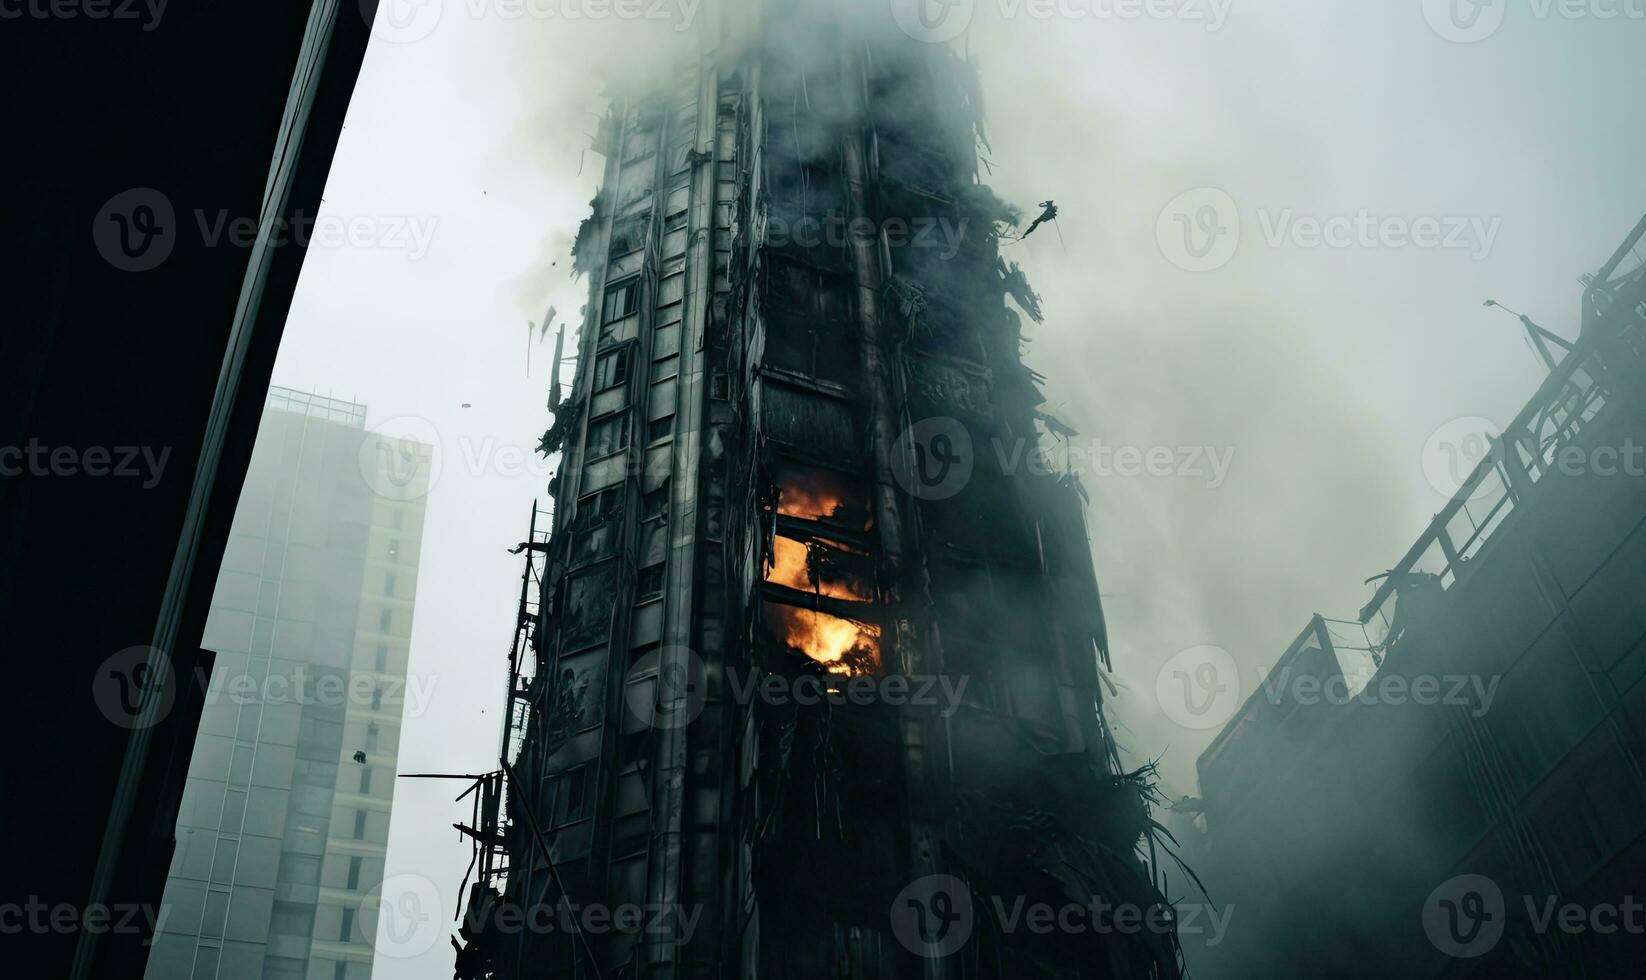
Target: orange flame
(789, 568)
(842, 646)
(822, 495)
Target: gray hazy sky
(1323, 370)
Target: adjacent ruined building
(1477, 807)
(806, 673)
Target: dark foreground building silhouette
(1478, 810)
(806, 679)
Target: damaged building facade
(1476, 807)
(769, 488)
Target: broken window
(587, 611)
(628, 235)
(842, 646)
(655, 504)
(814, 493)
(806, 289)
(822, 567)
(595, 528)
(811, 346)
(568, 794)
(578, 698)
(612, 369)
(622, 299)
(608, 435)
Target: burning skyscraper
(806, 679)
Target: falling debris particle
(1048, 213)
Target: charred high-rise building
(807, 674)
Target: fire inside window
(842, 646)
(816, 494)
(822, 567)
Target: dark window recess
(587, 608)
(655, 504)
(718, 387)
(813, 292)
(371, 737)
(612, 369)
(385, 620)
(607, 436)
(345, 932)
(568, 795)
(806, 420)
(598, 508)
(629, 235)
(596, 526)
(292, 919)
(359, 825)
(658, 429)
(354, 873)
(810, 345)
(388, 583)
(365, 780)
(621, 300)
(651, 583)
